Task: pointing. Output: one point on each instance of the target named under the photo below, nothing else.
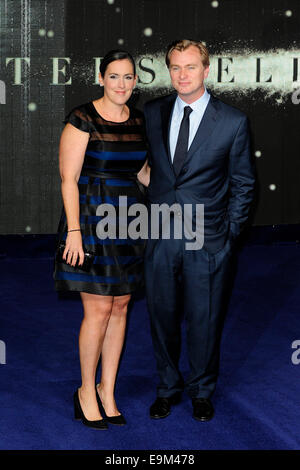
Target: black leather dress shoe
(161, 408)
(202, 409)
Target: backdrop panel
(50, 55)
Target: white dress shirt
(196, 115)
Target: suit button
(184, 170)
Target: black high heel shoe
(79, 415)
(118, 420)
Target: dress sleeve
(78, 119)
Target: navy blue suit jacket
(218, 171)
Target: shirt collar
(197, 106)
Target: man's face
(188, 73)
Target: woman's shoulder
(80, 116)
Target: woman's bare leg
(111, 351)
(97, 311)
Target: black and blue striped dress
(114, 155)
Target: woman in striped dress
(102, 156)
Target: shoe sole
(203, 419)
(91, 427)
(160, 417)
(116, 424)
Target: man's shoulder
(228, 109)
(157, 102)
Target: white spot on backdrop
(50, 34)
(32, 107)
(258, 153)
(215, 4)
(288, 13)
(28, 228)
(272, 187)
(42, 32)
(148, 31)
(110, 2)
(120, 41)
(118, 9)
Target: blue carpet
(257, 398)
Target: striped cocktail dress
(114, 155)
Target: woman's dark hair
(113, 55)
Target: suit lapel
(204, 130)
(206, 126)
(166, 113)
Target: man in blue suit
(199, 153)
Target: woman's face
(118, 81)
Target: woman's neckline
(114, 122)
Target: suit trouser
(198, 280)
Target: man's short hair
(183, 44)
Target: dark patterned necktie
(182, 141)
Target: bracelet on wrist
(75, 230)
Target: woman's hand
(144, 174)
(73, 249)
